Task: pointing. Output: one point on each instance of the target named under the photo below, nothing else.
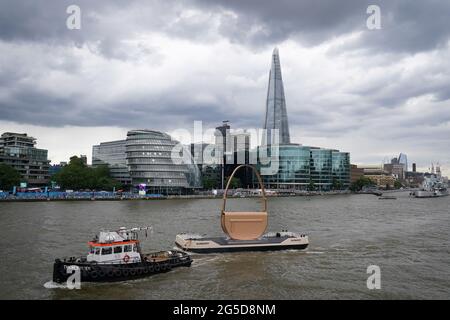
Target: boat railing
(282, 234)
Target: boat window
(118, 249)
(97, 250)
(134, 247)
(91, 250)
(107, 250)
(127, 248)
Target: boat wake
(54, 285)
(315, 252)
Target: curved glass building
(150, 163)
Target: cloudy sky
(164, 64)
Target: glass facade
(113, 154)
(340, 169)
(149, 160)
(307, 168)
(276, 114)
(320, 169)
(293, 168)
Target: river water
(407, 238)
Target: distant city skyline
(373, 93)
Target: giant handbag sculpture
(244, 230)
(244, 225)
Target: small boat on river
(117, 256)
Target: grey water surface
(407, 238)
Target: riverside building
(18, 150)
(113, 154)
(144, 160)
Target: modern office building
(293, 165)
(403, 159)
(231, 148)
(113, 154)
(307, 168)
(152, 163)
(276, 113)
(340, 169)
(299, 167)
(145, 158)
(18, 150)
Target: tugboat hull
(100, 272)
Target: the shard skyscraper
(276, 114)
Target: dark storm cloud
(407, 26)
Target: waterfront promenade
(114, 196)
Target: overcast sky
(164, 64)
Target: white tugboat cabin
(117, 256)
(116, 247)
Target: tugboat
(244, 231)
(116, 256)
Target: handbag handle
(260, 184)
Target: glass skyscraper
(276, 114)
(299, 167)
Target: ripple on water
(407, 238)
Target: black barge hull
(95, 272)
(244, 248)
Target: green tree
(397, 184)
(337, 185)
(209, 183)
(311, 186)
(9, 177)
(235, 183)
(360, 183)
(76, 175)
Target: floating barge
(268, 242)
(244, 231)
